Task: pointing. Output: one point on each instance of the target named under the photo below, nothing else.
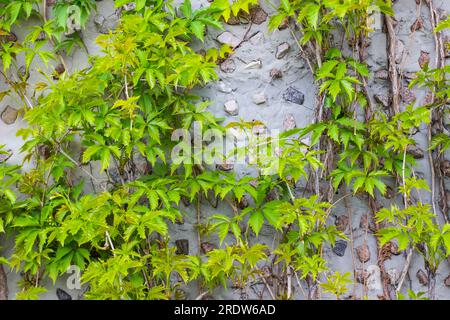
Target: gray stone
(282, 50)
(225, 167)
(276, 74)
(228, 66)
(229, 38)
(258, 15)
(257, 64)
(394, 275)
(415, 151)
(363, 253)
(231, 107)
(422, 276)
(294, 95)
(129, 6)
(341, 222)
(182, 246)
(99, 20)
(383, 99)
(289, 122)
(373, 278)
(223, 87)
(9, 115)
(259, 98)
(62, 295)
(382, 74)
(339, 248)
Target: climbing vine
(104, 193)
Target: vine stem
(404, 271)
(393, 74)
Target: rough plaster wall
(240, 85)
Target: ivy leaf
(256, 221)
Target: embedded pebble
(257, 64)
(415, 151)
(294, 95)
(341, 222)
(228, 38)
(276, 74)
(339, 248)
(373, 278)
(282, 50)
(228, 66)
(259, 98)
(9, 115)
(422, 276)
(206, 247)
(363, 253)
(382, 99)
(289, 122)
(231, 107)
(258, 15)
(182, 246)
(62, 295)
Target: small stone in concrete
(422, 276)
(284, 24)
(408, 96)
(272, 195)
(229, 38)
(382, 74)
(366, 223)
(258, 15)
(447, 281)
(394, 275)
(129, 6)
(424, 59)
(361, 276)
(182, 246)
(41, 36)
(11, 37)
(225, 167)
(445, 168)
(294, 95)
(228, 66)
(383, 99)
(257, 64)
(339, 248)
(223, 87)
(259, 98)
(276, 74)
(417, 25)
(289, 122)
(206, 247)
(243, 203)
(390, 193)
(9, 115)
(363, 253)
(415, 151)
(282, 50)
(99, 19)
(373, 278)
(185, 201)
(62, 295)
(393, 248)
(233, 20)
(341, 222)
(231, 107)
